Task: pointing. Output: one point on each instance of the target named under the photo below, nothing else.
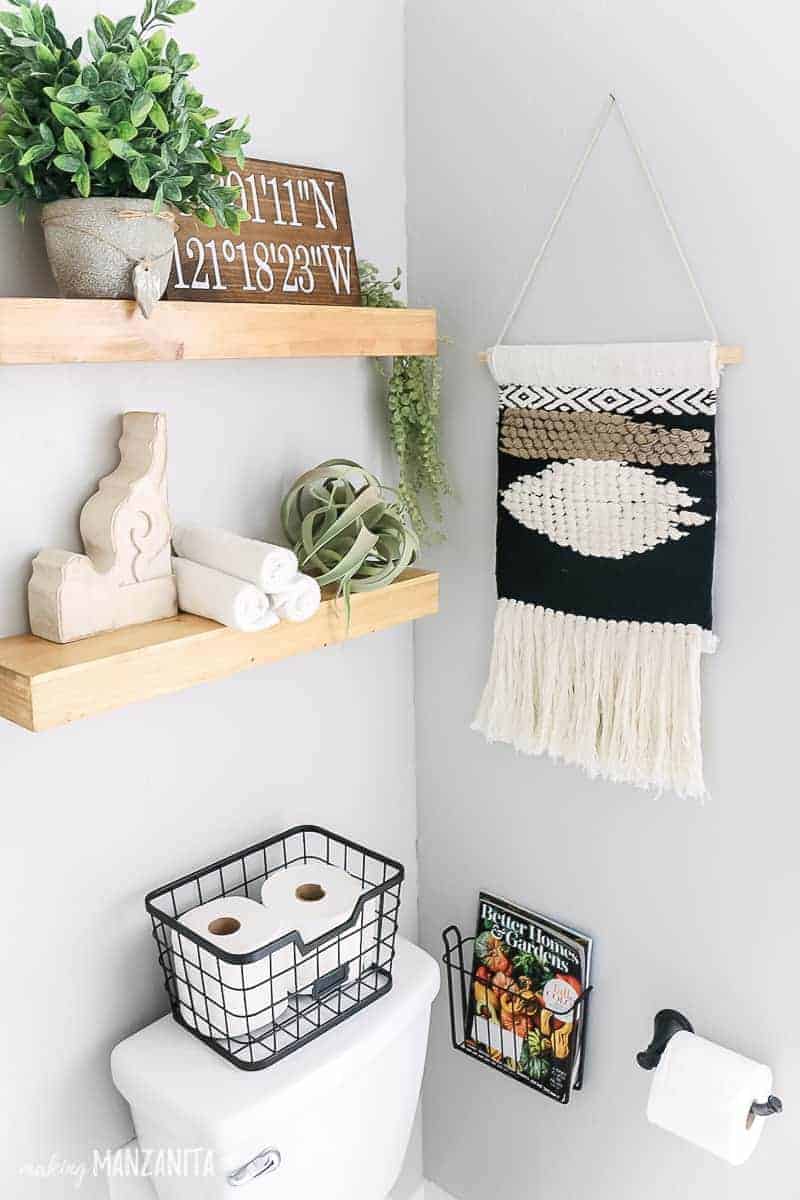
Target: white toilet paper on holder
(702, 1092)
(313, 898)
(221, 999)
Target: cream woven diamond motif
(602, 509)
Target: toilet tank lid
(183, 1085)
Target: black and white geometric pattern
(604, 557)
(676, 402)
(593, 543)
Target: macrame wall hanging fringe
(605, 545)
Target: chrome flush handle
(263, 1163)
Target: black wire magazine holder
(464, 1017)
(255, 1008)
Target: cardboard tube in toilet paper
(222, 999)
(313, 898)
(703, 1093)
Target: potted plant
(109, 137)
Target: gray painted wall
(693, 906)
(97, 814)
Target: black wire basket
(496, 1044)
(255, 1008)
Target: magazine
(528, 977)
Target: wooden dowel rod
(727, 356)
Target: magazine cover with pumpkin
(528, 975)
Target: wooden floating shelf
(43, 685)
(95, 331)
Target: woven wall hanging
(605, 548)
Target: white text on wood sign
(297, 247)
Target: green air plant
(345, 529)
(125, 121)
(413, 397)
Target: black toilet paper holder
(667, 1023)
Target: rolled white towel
(299, 600)
(270, 568)
(220, 597)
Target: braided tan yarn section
(600, 436)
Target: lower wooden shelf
(43, 685)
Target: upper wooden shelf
(43, 684)
(93, 331)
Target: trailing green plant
(349, 533)
(413, 398)
(126, 122)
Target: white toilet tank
(332, 1120)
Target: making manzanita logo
(56, 1168)
(188, 1162)
(185, 1162)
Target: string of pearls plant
(346, 529)
(413, 397)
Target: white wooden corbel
(125, 577)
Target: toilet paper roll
(313, 898)
(222, 999)
(703, 1093)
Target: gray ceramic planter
(95, 247)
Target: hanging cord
(554, 224)
(611, 104)
(62, 223)
(667, 220)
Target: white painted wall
(691, 906)
(97, 814)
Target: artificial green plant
(124, 121)
(413, 399)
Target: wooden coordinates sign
(297, 247)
